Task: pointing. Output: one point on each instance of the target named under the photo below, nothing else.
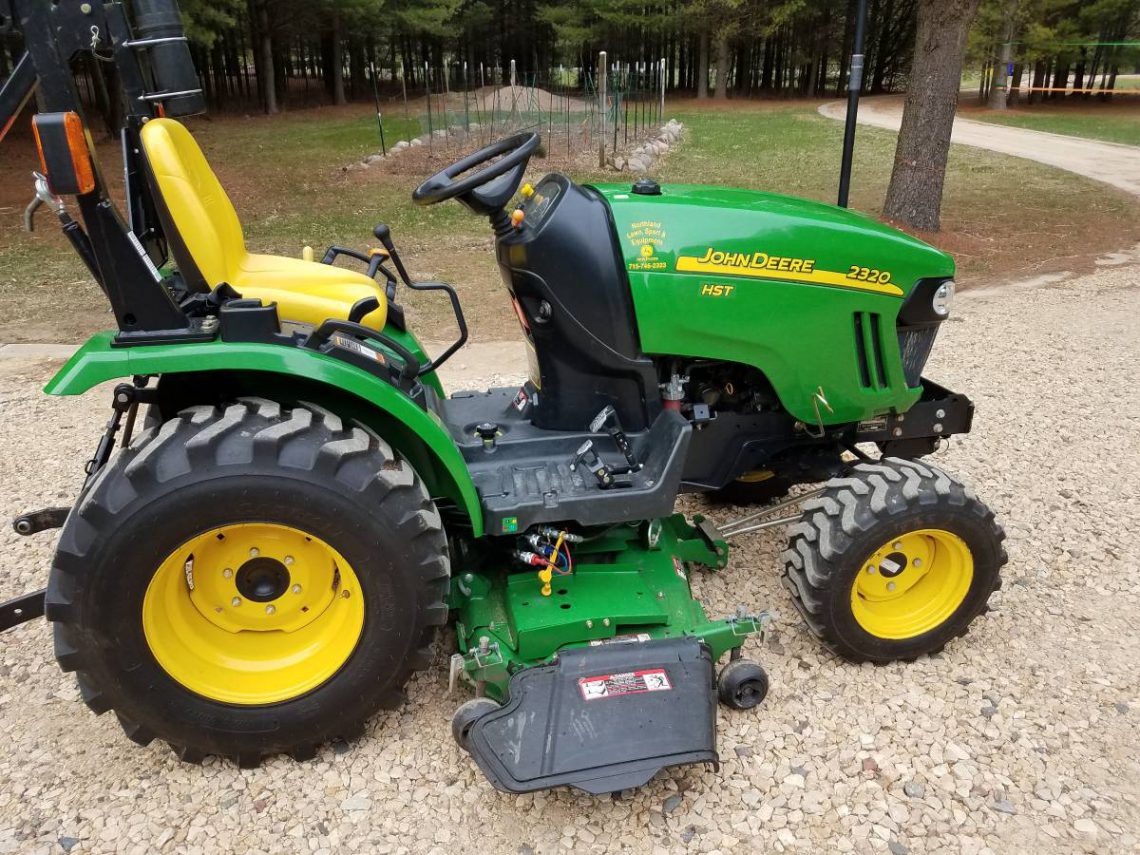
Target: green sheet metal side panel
(97, 362)
(774, 282)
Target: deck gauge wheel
(466, 716)
(742, 685)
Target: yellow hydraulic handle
(546, 574)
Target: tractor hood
(807, 293)
(722, 231)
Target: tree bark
(703, 65)
(337, 60)
(914, 196)
(998, 92)
(1060, 81)
(721, 67)
(267, 78)
(1015, 86)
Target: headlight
(943, 298)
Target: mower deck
(602, 718)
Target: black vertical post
(854, 85)
(376, 98)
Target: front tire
(248, 581)
(893, 561)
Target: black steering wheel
(489, 189)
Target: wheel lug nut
(890, 586)
(296, 589)
(235, 602)
(253, 553)
(872, 569)
(270, 609)
(288, 560)
(917, 562)
(898, 545)
(228, 573)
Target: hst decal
(709, 289)
(763, 265)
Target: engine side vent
(869, 350)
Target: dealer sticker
(621, 639)
(628, 683)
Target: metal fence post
(602, 107)
(661, 115)
(427, 91)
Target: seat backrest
(198, 208)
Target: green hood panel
(750, 233)
(774, 282)
(418, 434)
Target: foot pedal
(602, 718)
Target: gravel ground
(1020, 737)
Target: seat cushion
(211, 239)
(306, 291)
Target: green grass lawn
(1118, 126)
(286, 175)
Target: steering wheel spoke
(488, 189)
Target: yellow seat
(213, 249)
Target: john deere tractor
(286, 504)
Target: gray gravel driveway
(1020, 737)
(1112, 163)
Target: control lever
(588, 457)
(71, 229)
(384, 235)
(607, 420)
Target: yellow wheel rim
(912, 584)
(756, 476)
(253, 613)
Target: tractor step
(602, 718)
(22, 609)
(41, 520)
(527, 475)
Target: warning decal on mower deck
(629, 683)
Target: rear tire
(851, 565)
(212, 473)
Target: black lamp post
(854, 86)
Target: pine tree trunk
(721, 67)
(1001, 71)
(703, 66)
(266, 78)
(914, 197)
(336, 61)
(1015, 86)
(1060, 81)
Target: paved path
(1112, 163)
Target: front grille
(915, 345)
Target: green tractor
(260, 556)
